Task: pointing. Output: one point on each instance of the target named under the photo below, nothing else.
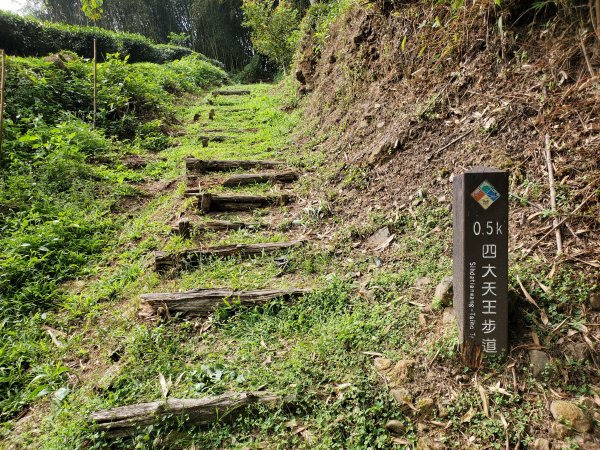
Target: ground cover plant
(61, 182)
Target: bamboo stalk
(555, 221)
(95, 88)
(2, 78)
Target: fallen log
(125, 421)
(194, 165)
(185, 228)
(213, 202)
(235, 92)
(188, 258)
(250, 178)
(202, 302)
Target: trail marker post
(480, 262)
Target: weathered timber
(185, 227)
(189, 258)
(231, 130)
(233, 202)
(202, 302)
(213, 138)
(125, 421)
(252, 178)
(193, 165)
(236, 92)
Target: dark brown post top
(480, 260)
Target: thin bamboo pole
(2, 79)
(555, 222)
(95, 89)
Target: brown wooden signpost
(480, 260)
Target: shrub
(29, 37)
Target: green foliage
(60, 182)
(179, 39)
(93, 9)
(211, 27)
(29, 37)
(274, 30)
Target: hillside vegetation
(22, 36)
(60, 183)
(385, 104)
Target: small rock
(382, 364)
(401, 372)
(558, 430)
(571, 415)
(422, 282)
(539, 361)
(425, 406)
(401, 396)
(595, 301)
(395, 427)
(380, 238)
(444, 293)
(577, 351)
(425, 443)
(448, 316)
(422, 427)
(442, 411)
(489, 124)
(540, 444)
(380, 153)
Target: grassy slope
(319, 348)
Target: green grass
(318, 350)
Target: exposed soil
(407, 98)
(455, 97)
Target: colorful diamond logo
(485, 194)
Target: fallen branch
(202, 302)
(125, 421)
(452, 142)
(536, 243)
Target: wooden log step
(185, 228)
(194, 165)
(125, 421)
(231, 92)
(231, 130)
(202, 302)
(252, 178)
(188, 258)
(213, 138)
(214, 202)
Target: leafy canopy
(93, 9)
(274, 30)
